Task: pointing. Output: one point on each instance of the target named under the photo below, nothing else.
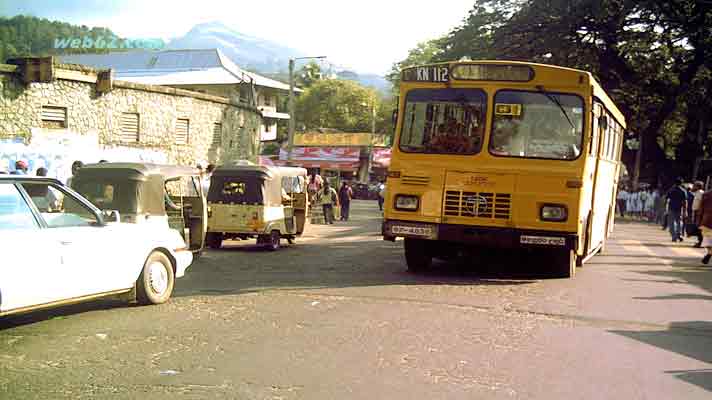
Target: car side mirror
(111, 216)
(394, 117)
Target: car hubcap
(158, 278)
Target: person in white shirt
(622, 199)
(697, 190)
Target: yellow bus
(504, 155)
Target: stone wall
(97, 117)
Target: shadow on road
(692, 339)
(14, 321)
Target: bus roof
(438, 77)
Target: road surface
(336, 316)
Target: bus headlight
(554, 212)
(406, 202)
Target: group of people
(646, 204)
(323, 194)
(685, 209)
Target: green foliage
(308, 75)
(24, 36)
(338, 104)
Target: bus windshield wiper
(556, 101)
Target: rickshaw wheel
(214, 240)
(274, 238)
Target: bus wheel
(214, 240)
(564, 263)
(417, 254)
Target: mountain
(260, 55)
(246, 51)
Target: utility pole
(292, 122)
(290, 129)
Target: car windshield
(443, 121)
(537, 125)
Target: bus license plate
(424, 231)
(543, 240)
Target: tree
(339, 104)
(308, 75)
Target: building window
(54, 117)
(129, 128)
(182, 131)
(217, 135)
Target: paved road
(337, 317)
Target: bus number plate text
(423, 231)
(543, 240)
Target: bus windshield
(443, 121)
(537, 125)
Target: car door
(90, 255)
(30, 254)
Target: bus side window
(593, 150)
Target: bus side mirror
(603, 122)
(394, 117)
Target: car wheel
(417, 255)
(214, 240)
(157, 280)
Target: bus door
(602, 183)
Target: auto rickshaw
(255, 201)
(167, 195)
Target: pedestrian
(696, 204)
(622, 200)
(660, 207)
(677, 207)
(705, 225)
(650, 204)
(207, 177)
(632, 203)
(42, 171)
(381, 195)
(328, 199)
(345, 196)
(76, 166)
(20, 168)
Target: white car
(57, 248)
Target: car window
(57, 208)
(14, 212)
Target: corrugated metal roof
(174, 67)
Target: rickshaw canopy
(133, 188)
(253, 184)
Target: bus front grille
(477, 204)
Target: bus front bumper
(479, 235)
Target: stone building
(202, 70)
(51, 114)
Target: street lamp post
(290, 129)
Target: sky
(367, 35)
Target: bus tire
(417, 255)
(564, 263)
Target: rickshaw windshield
(236, 189)
(124, 196)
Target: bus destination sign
(432, 73)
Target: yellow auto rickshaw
(255, 201)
